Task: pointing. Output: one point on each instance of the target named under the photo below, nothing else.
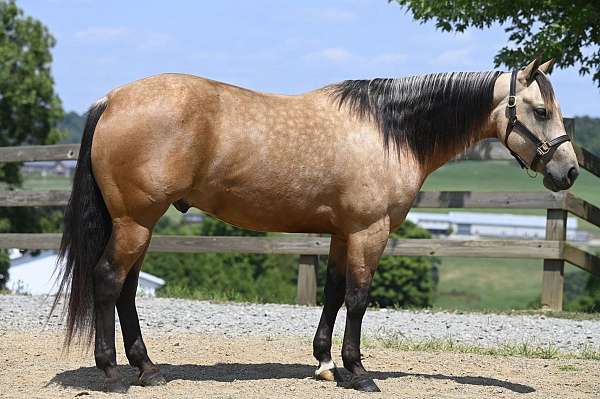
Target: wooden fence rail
(554, 250)
(425, 199)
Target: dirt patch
(32, 366)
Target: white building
(490, 225)
(34, 275)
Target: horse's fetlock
(322, 348)
(105, 358)
(350, 357)
(137, 353)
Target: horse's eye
(541, 113)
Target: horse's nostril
(573, 173)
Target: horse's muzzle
(560, 178)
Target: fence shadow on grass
(90, 378)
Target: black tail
(87, 228)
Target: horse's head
(529, 123)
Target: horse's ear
(546, 67)
(528, 73)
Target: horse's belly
(257, 211)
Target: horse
(347, 159)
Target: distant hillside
(587, 133)
(587, 130)
(73, 123)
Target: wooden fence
(554, 250)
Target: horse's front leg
(364, 250)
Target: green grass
(488, 176)
(522, 349)
(568, 368)
(437, 345)
(488, 284)
(217, 296)
(501, 176)
(495, 285)
(36, 182)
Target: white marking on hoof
(325, 371)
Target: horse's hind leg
(335, 288)
(135, 349)
(126, 245)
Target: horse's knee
(356, 299)
(335, 286)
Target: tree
(567, 30)
(29, 108)
(222, 276)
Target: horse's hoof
(152, 379)
(327, 371)
(325, 375)
(329, 375)
(115, 385)
(361, 383)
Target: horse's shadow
(90, 378)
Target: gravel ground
(247, 351)
(170, 316)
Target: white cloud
(101, 34)
(390, 58)
(336, 54)
(151, 41)
(139, 39)
(333, 15)
(455, 57)
(341, 55)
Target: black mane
(422, 112)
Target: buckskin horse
(347, 159)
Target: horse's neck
(441, 156)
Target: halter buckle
(543, 148)
(512, 101)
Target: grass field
(467, 283)
(486, 284)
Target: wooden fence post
(307, 280)
(553, 277)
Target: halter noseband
(542, 147)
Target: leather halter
(542, 147)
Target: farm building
(34, 275)
(490, 225)
(45, 168)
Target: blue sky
(276, 46)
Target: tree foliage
(587, 133)
(588, 300)
(29, 108)
(566, 30)
(227, 276)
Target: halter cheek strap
(542, 147)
